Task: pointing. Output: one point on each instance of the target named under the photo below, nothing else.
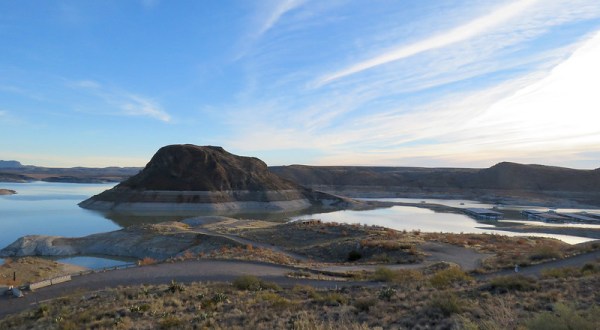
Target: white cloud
(275, 14)
(549, 117)
(268, 17)
(469, 30)
(135, 105)
(127, 103)
(89, 84)
(560, 109)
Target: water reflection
(126, 219)
(415, 218)
(95, 262)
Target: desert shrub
(447, 303)
(564, 272)
(383, 274)
(332, 299)
(407, 277)
(253, 283)
(387, 293)
(503, 284)
(306, 289)
(175, 287)
(146, 261)
(403, 277)
(170, 322)
(354, 255)
(139, 308)
(590, 268)
(276, 300)
(247, 282)
(219, 297)
(41, 311)
(449, 276)
(564, 317)
(543, 252)
(364, 304)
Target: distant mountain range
(14, 171)
(503, 182)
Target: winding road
(219, 270)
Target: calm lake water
(44, 208)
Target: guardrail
(66, 278)
(105, 269)
(52, 281)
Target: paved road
(215, 270)
(184, 272)
(536, 270)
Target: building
(579, 217)
(483, 214)
(553, 216)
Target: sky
(430, 83)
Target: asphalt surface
(183, 272)
(216, 270)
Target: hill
(503, 182)
(10, 164)
(13, 171)
(208, 178)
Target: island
(7, 192)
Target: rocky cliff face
(195, 178)
(193, 168)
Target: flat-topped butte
(207, 178)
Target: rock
(7, 192)
(194, 178)
(38, 245)
(158, 241)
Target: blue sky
(399, 83)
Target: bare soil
(31, 269)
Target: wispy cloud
(526, 117)
(275, 14)
(128, 103)
(149, 4)
(269, 15)
(469, 30)
(135, 105)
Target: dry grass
(509, 251)
(251, 303)
(335, 242)
(31, 269)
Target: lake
(44, 208)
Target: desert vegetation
(445, 298)
(336, 242)
(506, 252)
